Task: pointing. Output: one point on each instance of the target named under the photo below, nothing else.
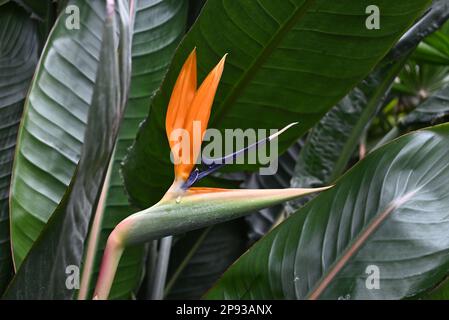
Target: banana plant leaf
(53, 127)
(19, 54)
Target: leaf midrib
(358, 242)
(260, 59)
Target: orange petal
(199, 111)
(182, 96)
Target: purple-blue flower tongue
(212, 165)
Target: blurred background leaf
(200, 257)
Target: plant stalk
(92, 244)
(111, 258)
(157, 290)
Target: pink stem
(109, 264)
(94, 236)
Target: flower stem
(92, 244)
(112, 254)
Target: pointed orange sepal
(182, 95)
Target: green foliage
(384, 212)
(53, 127)
(311, 61)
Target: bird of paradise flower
(185, 207)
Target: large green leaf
(53, 126)
(288, 61)
(18, 59)
(61, 244)
(158, 28)
(440, 293)
(389, 212)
